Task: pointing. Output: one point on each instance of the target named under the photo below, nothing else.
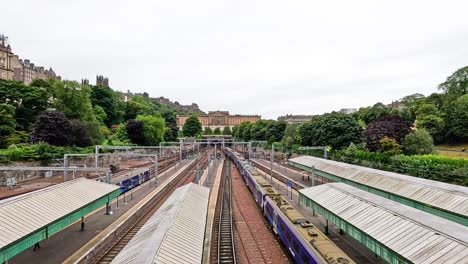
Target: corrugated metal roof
(446, 196)
(24, 214)
(417, 236)
(175, 233)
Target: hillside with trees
(398, 139)
(66, 116)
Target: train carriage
(305, 242)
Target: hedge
(433, 167)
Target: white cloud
(267, 57)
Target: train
(130, 180)
(304, 241)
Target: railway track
(226, 247)
(113, 249)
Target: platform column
(108, 208)
(82, 224)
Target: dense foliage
(335, 130)
(53, 128)
(391, 126)
(440, 168)
(135, 131)
(192, 127)
(153, 129)
(418, 142)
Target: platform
(30, 218)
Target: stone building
(27, 72)
(102, 81)
(7, 59)
(13, 68)
(219, 119)
(295, 119)
(348, 110)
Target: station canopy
(396, 232)
(451, 201)
(175, 233)
(29, 218)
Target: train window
(295, 246)
(288, 236)
(305, 258)
(281, 227)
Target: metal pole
(180, 142)
(96, 157)
(271, 162)
(65, 167)
(156, 180)
(313, 176)
(108, 176)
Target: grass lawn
(452, 150)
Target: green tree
(456, 84)
(434, 124)
(74, 100)
(373, 113)
(246, 132)
(227, 130)
(258, 130)
(53, 128)
(135, 131)
(28, 102)
(458, 118)
(275, 129)
(235, 131)
(108, 100)
(291, 135)
(426, 109)
(7, 123)
(153, 128)
(389, 146)
(217, 131)
(100, 114)
(138, 105)
(121, 133)
(334, 129)
(208, 131)
(192, 127)
(418, 142)
(172, 130)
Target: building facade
(348, 110)
(13, 68)
(295, 119)
(6, 59)
(221, 119)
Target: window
(281, 225)
(295, 246)
(288, 236)
(304, 258)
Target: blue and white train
(132, 179)
(305, 242)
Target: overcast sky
(248, 57)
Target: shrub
(389, 146)
(53, 128)
(393, 126)
(418, 142)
